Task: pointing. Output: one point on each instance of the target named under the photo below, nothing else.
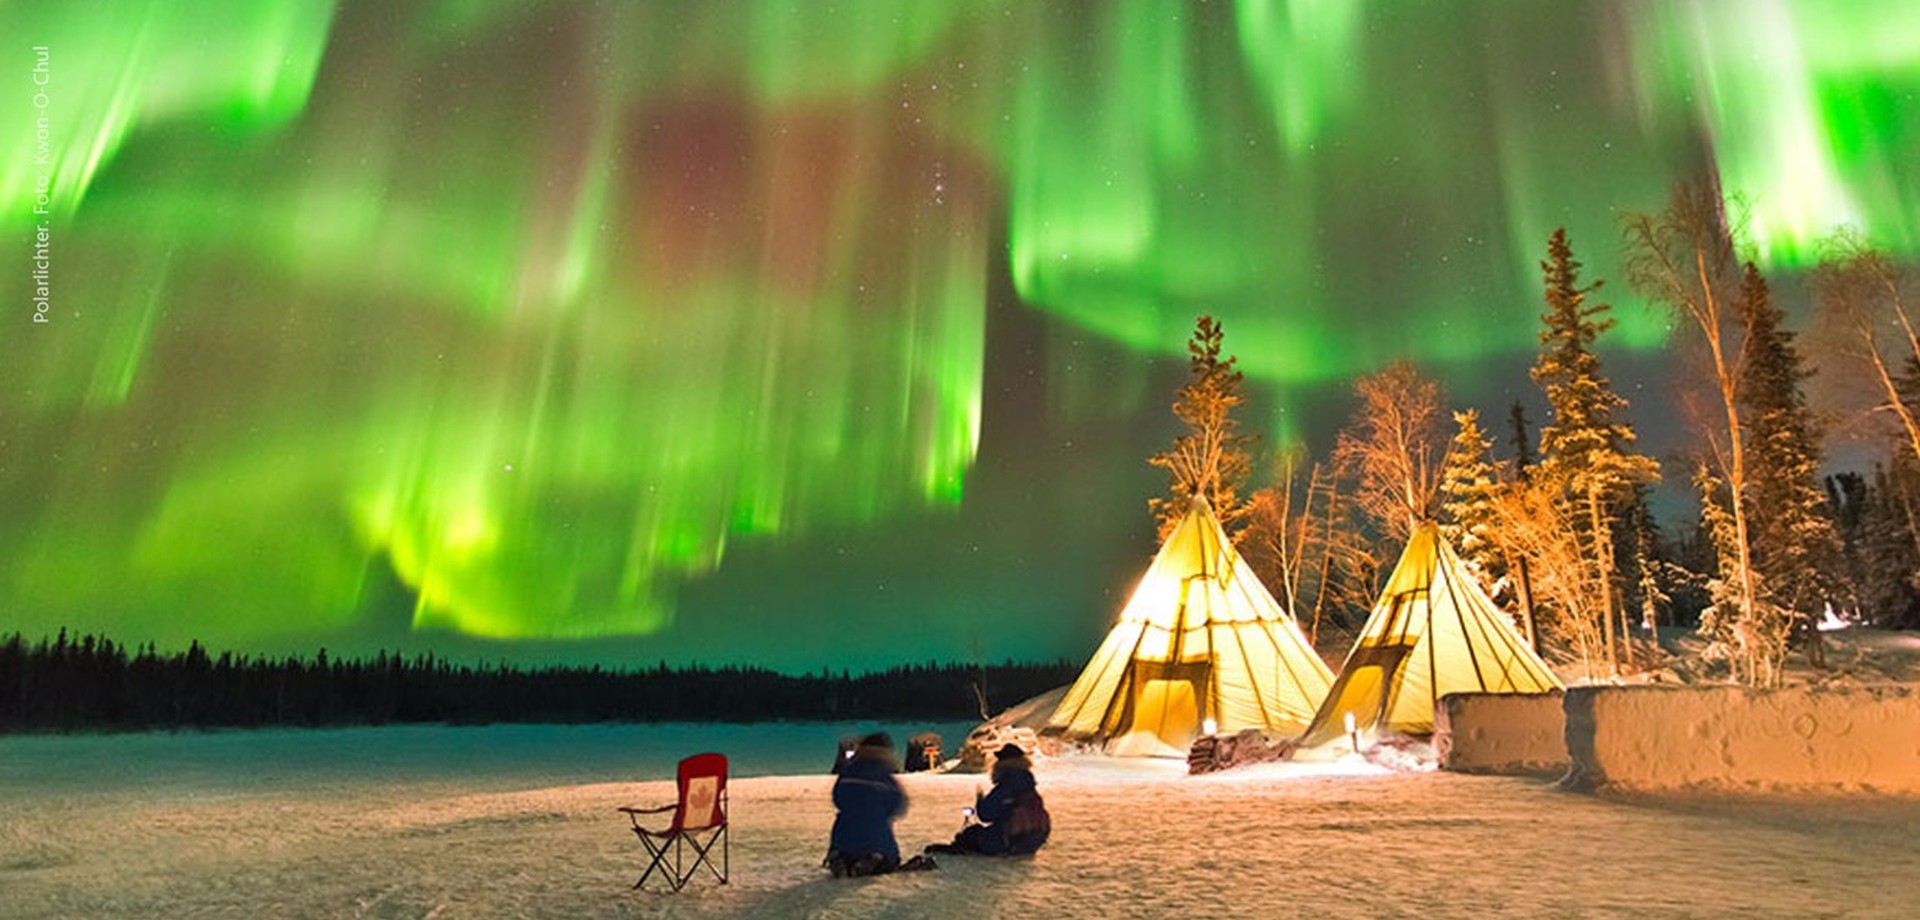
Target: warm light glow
(1206, 634)
(1432, 632)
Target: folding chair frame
(677, 840)
(660, 844)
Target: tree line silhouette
(93, 683)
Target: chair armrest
(648, 811)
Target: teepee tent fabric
(1433, 632)
(1199, 639)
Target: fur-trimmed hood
(1008, 761)
(878, 747)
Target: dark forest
(93, 683)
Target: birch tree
(1863, 297)
(1391, 449)
(1298, 540)
(1683, 257)
(1534, 526)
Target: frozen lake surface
(162, 765)
(519, 821)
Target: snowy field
(519, 821)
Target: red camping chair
(699, 822)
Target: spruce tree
(1586, 459)
(1212, 457)
(1518, 562)
(1522, 441)
(1794, 545)
(1647, 588)
(1469, 488)
(1888, 559)
(1878, 555)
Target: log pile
(1212, 753)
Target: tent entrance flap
(1164, 699)
(1171, 709)
(1363, 690)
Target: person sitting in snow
(1012, 817)
(868, 800)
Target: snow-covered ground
(1855, 656)
(520, 821)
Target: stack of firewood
(1217, 752)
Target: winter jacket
(1015, 816)
(868, 799)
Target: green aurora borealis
(624, 331)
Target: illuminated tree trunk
(1600, 550)
(1522, 464)
(1682, 257)
(1526, 604)
(1736, 449)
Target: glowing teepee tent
(1200, 640)
(1433, 632)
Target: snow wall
(1738, 739)
(1501, 733)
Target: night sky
(819, 333)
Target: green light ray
(1802, 101)
(541, 310)
(119, 67)
(1301, 54)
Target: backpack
(1028, 823)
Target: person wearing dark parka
(1013, 819)
(868, 799)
